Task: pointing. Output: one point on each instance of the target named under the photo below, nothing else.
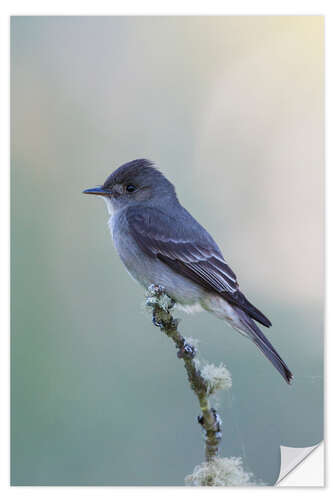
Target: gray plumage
(160, 242)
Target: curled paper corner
(292, 457)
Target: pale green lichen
(156, 296)
(220, 472)
(216, 377)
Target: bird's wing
(191, 253)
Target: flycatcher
(161, 243)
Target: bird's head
(135, 182)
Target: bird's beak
(98, 190)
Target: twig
(161, 305)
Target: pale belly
(148, 270)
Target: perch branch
(161, 305)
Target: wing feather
(194, 254)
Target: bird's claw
(156, 322)
(172, 303)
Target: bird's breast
(149, 270)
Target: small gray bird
(161, 243)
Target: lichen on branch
(220, 472)
(203, 381)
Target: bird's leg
(172, 303)
(161, 304)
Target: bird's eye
(130, 188)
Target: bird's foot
(157, 295)
(157, 322)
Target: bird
(160, 243)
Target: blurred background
(231, 110)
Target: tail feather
(265, 346)
(239, 300)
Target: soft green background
(231, 109)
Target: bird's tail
(256, 335)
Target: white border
(126, 7)
(166, 7)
